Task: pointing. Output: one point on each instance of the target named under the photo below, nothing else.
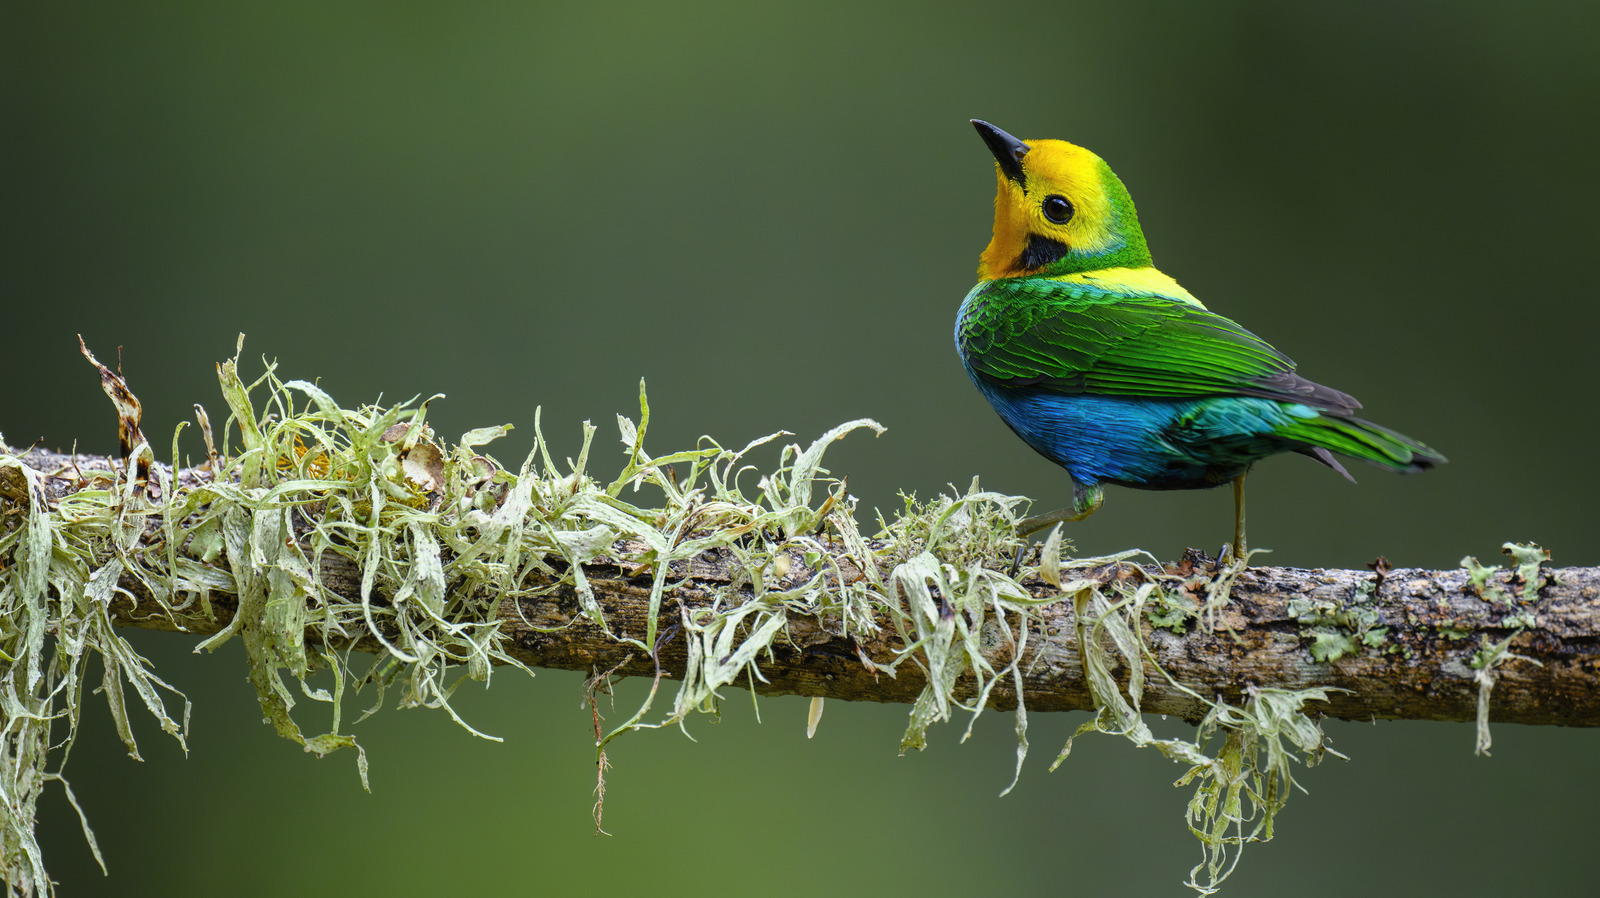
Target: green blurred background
(771, 212)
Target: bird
(1105, 365)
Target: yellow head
(1058, 209)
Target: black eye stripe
(1057, 208)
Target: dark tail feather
(1326, 457)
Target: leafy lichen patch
(1336, 627)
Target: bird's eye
(1057, 209)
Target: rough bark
(1437, 623)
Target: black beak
(1007, 150)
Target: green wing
(1072, 341)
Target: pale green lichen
(1528, 579)
(1336, 629)
(1239, 785)
(1531, 575)
(59, 575)
(1479, 576)
(441, 534)
(1170, 610)
(1490, 656)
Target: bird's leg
(1085, 501)
(1240, 553)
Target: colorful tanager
(1110, 369)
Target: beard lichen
(442, 535)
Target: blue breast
(1146, 443)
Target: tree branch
(1403, 643)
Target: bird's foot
(1231, 562)
(1085, 501)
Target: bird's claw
(1016, 563)
(1229, 562)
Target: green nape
(1131, 251)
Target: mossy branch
(328, 532)
(1423, 663)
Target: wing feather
(1037, 332)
